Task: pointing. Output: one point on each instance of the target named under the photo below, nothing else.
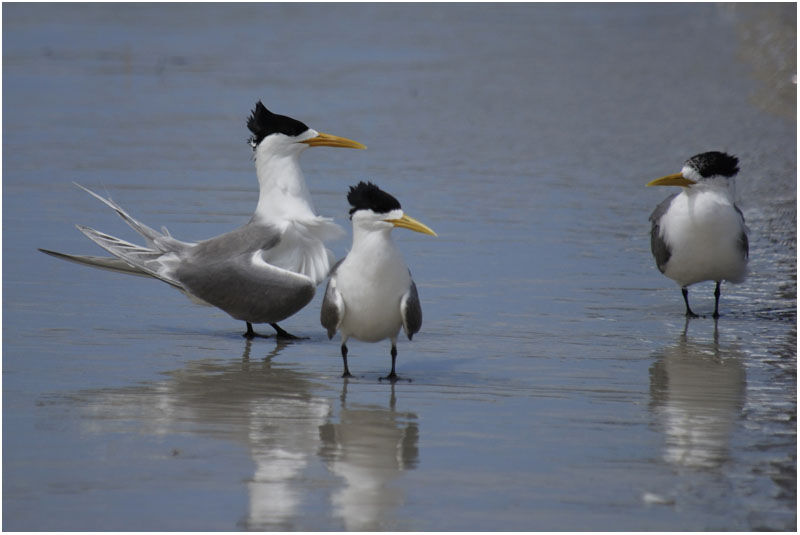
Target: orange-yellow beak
(411, 224)
(676, 179)
(329, 140)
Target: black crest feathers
(263, 122)
(368, 196)
(714, 163)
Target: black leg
(689, 313)
(280, 333)
(344, 358)
(250, 334)
(716, 301)
(392, 375)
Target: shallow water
(555, 384)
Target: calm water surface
(555, 384)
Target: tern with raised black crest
(262, 272)
(699, 234)
(370, 294)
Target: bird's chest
(701, 224)
(703, 236)
(372, 287)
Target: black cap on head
(263, 122)
(714, 163)
(368, 196)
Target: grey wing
(103, 262)
(332, 306)
(156, 240)
(249, 238)
(147, 261)
(246, 287)
(744, 244)
(130, 258)
(411, 311)
(658, 246)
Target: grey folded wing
(246, 287)
(411, 311)
(659, 248)
(744, 244)
(332, 309)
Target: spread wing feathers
(147, 261)
(103, 262)
(332, 311)
(411, 311)
(164, 242)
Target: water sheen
(555, 384)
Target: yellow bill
(676, 179)
(329, 140)
(411, 224)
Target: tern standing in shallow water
(370, 294)
(262, 272)
(699, 234)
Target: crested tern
(370, 293)
(262, 272)
(699, 234)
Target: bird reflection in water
(697, 391)
(283, 437)
(272, 409)
(287, 427)
(369, 448)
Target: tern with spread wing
(699, 234)
(262, 272)
(371, 294)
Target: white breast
(371, 281)
(702, 231)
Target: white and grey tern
(262, 272)
(371, 294)
(699, 234)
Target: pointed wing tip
(84, 188)
(85, 230)
(48, 252)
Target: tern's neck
(378, 259)
(721, 187)
(283, 195)
(372, 241)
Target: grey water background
(555, 384)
